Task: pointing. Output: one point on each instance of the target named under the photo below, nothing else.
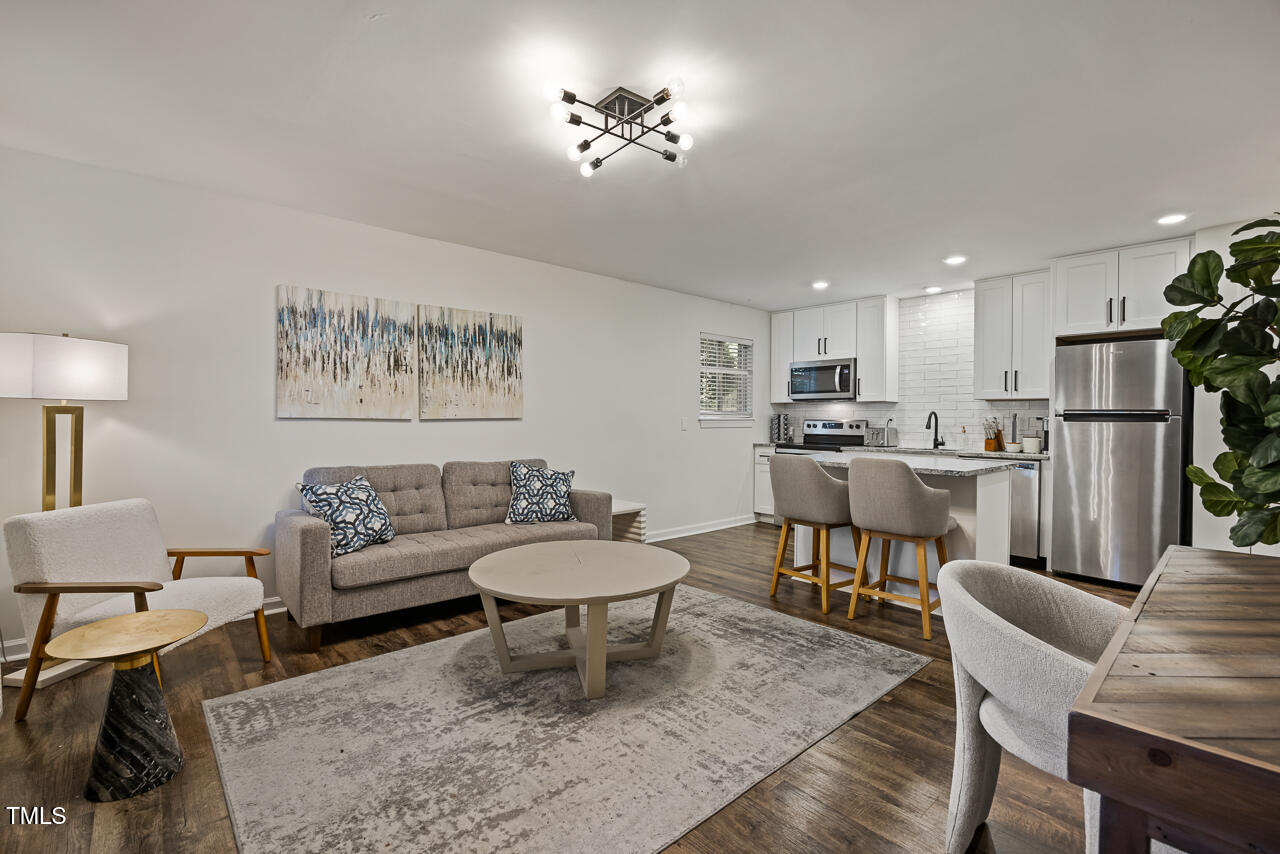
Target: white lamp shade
(55, 367)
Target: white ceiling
(859, 142)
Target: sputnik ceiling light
(622, 117)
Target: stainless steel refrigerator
(1121, 444)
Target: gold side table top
(127, 636)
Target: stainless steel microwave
(826, 379)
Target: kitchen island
(980, 498)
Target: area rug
(432, 748)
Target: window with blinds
(724, 378)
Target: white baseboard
(15, 651)
(700, 528)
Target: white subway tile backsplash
(935, 373)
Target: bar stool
(889, 501)
(804, 494)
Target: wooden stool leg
(782, 553)
(825, 560)
(884, 567)
(860, 574)
(816, 557)
(34, 659)
(941, 543)
(922, 567)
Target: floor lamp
(53, 367)
(58, 367)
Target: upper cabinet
(1011, 337)
(781, 336)
(865, 329)
(825, 332)
(1118, 290)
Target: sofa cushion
(411, 493)
(479, 493)
(431, 552)
(356, 516)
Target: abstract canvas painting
(469, 364)
(343, 356)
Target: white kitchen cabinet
(807, 325)
(1032, 336)
(1085, 293)
(1118, 290)
(781, 348)
(992, 338)
(1011, 337)
(825, 332)
(1145, 271)
(763, 485)
(877, 349)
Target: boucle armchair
(81, 564)
(1022, 647)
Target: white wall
(187, 279)
(935, 373)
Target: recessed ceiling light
(1171, 219)
(933, 289)
(820, 286)
(954, 260)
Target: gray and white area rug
(432, 748)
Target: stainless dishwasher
(1024, 513)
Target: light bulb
(551, 92)
(933, 289)
(587, 170)
(574, 154)
(560, 111)
(686, 142)
(1171, 219)
(680, 111)
(682, 162)
(676, 87)
(954, 260)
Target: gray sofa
(444, 520)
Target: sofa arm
(593, 507)
(304, 579)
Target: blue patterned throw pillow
(539, 495)
(355, 513)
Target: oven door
(829, 379)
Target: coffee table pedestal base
(137, 749)
(588, 649)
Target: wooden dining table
(1178, 727)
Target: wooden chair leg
(941, 544)
(782, 553)
(860, 574)
(43, 629)
(922, 567)
(155, 665)
(884, 567)
(824, 558)
(816, 555)
(260, 618)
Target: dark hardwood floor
(878, 783)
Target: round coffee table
(572, 573)
(137, 749)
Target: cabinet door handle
(1110, 302)
(1122, 307)
(1015, 380)
(826, 348)
(819, 346)
(859, 392)
(1006, 380)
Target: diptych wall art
(469, 364)
(343, 356)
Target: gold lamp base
(49, 497)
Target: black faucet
(932, 421)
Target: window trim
(727, 419)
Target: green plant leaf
(1263, 311)
(1205, 271)
(1225, 464)
(1231, 369)
(1261, 481)
(1219, 500)
(1257, 223)
(1271, 534)
(1183, 290)
(1251, 525)
(1179, 323)
(1248, 338)
(1267, 452)
(1199, 476)
(1271, 409)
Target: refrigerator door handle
(1115, 415)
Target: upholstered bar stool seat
(804, 494)
(889, 501)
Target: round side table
(137, 749)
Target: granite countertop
(937, 452)
(934, 464)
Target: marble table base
(137, 748)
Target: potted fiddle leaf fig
(1231, 348)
